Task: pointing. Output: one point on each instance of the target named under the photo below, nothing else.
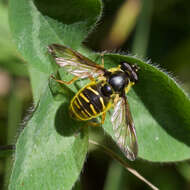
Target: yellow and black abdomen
(89, 102)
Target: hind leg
(94, 124)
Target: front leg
(65, 82)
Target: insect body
(107, 89)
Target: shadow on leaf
(65, 125)
(69, 12)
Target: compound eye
(106, 90)
(134, 77)
(126, 67)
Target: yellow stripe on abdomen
(84, 97)
(93, 110)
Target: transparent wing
(74, 62)
(124, 129)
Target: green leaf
(160, 109)
(159, 106)
(9, 58)
(7, 47)
(33, 30)
(51, 150)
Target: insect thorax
(117, 80)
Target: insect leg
(129, 87)
(103, 118)
(93, 124)
(65, 82)
(91, 78)
(102, 57)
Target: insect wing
(124, 129)
(74, 62)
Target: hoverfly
(107, 89)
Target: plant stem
(124, 164)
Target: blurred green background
(151, 29)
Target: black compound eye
(134, 77)
(106, 90)
(131, 70)
(126, 67)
